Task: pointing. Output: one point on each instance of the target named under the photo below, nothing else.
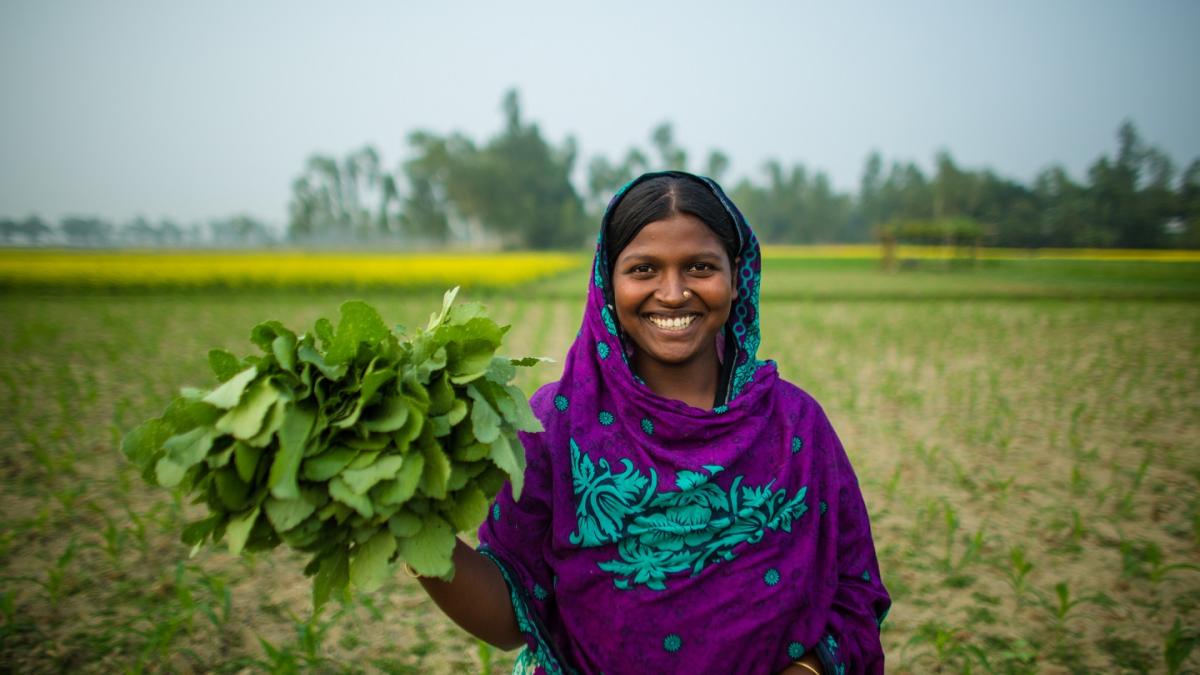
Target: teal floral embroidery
(602, 348)
(496, 511)
(647, 426)
(795, 650)
(866, 575)
(824, 507)
(828, 649)
(672, 643)
(672, 532)
(797, 444)
(608, 321)
(561, 403)
(606, 418)
(539, 592)
(721, 409)
(771, 577)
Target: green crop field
(1026, 434)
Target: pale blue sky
(198, 110)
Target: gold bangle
(810, 669)
(408, 570)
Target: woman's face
(666, 258)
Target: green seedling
(1177, 646)
(1062, 606)
(1145, 560)
(1017, 574)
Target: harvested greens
(350, 443)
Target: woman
(685, 510)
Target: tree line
(518, 190)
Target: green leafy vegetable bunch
(351, 443)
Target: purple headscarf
(652, 536)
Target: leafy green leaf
(359, 324)
(230, 392)
(297, 424)
(404, 486)
(512, 460)
(238, 530)
(467, 508)
(195, 533)
(231, 489)
(333, 575)
(306, 353)
(531, 361)
(447, 300)
(485, 423)
(246, 419)
(143, 445)
(436, 473)
(342, 493)
(389, 416)
(361, 480)
(404, 524)
(183, 451)
(369, 568)
(285, 514)
(328, 464)
(271, 424)
(245, 459)
(224, 364)
(523, 418)
(429, 550)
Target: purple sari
(655, 537)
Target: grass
(1024, 434)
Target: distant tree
(518, 185)
(343, 200)
(670, 154)
(1189, 206)
(1064, 211)
(31, 230)
(425, 212)
(85, 231)
(717, 165)
(240, 230)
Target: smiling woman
(685, 509)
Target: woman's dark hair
(661, 197)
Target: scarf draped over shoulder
(653, 536)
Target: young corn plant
(1177, 647)
(1017, 574)
(1062, 607)
(955, 568)
(1145, 560)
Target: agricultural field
(1025, 433)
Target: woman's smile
(672, 324)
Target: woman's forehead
(681, 234)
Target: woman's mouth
(671, 323)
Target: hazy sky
(203, 109)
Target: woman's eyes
(694, 267)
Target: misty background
(1014, 124)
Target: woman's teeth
(674, 323)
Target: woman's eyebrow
(651, 257)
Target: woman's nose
(671, 290)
